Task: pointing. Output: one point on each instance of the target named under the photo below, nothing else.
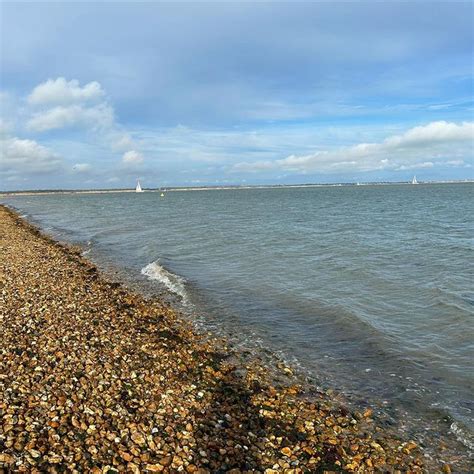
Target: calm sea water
(369, 289)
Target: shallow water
(367, 288)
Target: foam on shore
(174, 283)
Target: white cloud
(132, 157)
(60, 104)
(98, 117)
(420, 147)
(65, 104)
(62, 92)
(432, 134)
(26, 156)
(82, 167)
(418, 166)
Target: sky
(96, 95)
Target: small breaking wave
(174, 283)
(463, 435)
(88, 248)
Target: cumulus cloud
(61, 92)
(432, 134)
(60, 104)
(420, 147)
(26, 156)
(132, 157)
(98, 117)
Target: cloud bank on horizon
(93, 96)
(411, 150)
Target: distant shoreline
(221, 188)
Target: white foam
(463, 436)
(174, 283)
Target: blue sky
(96, 95)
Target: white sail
(138, 189)
(414, 181)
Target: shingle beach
(96, 378)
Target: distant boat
(414, 181)
(138, 189)
(162, 195)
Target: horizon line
(230, 186)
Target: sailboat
(414, 181)
(138, 189)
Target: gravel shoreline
(96, 378)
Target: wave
(174, 283)
(463, 435)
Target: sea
(364, 290)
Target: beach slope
(95, 378)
